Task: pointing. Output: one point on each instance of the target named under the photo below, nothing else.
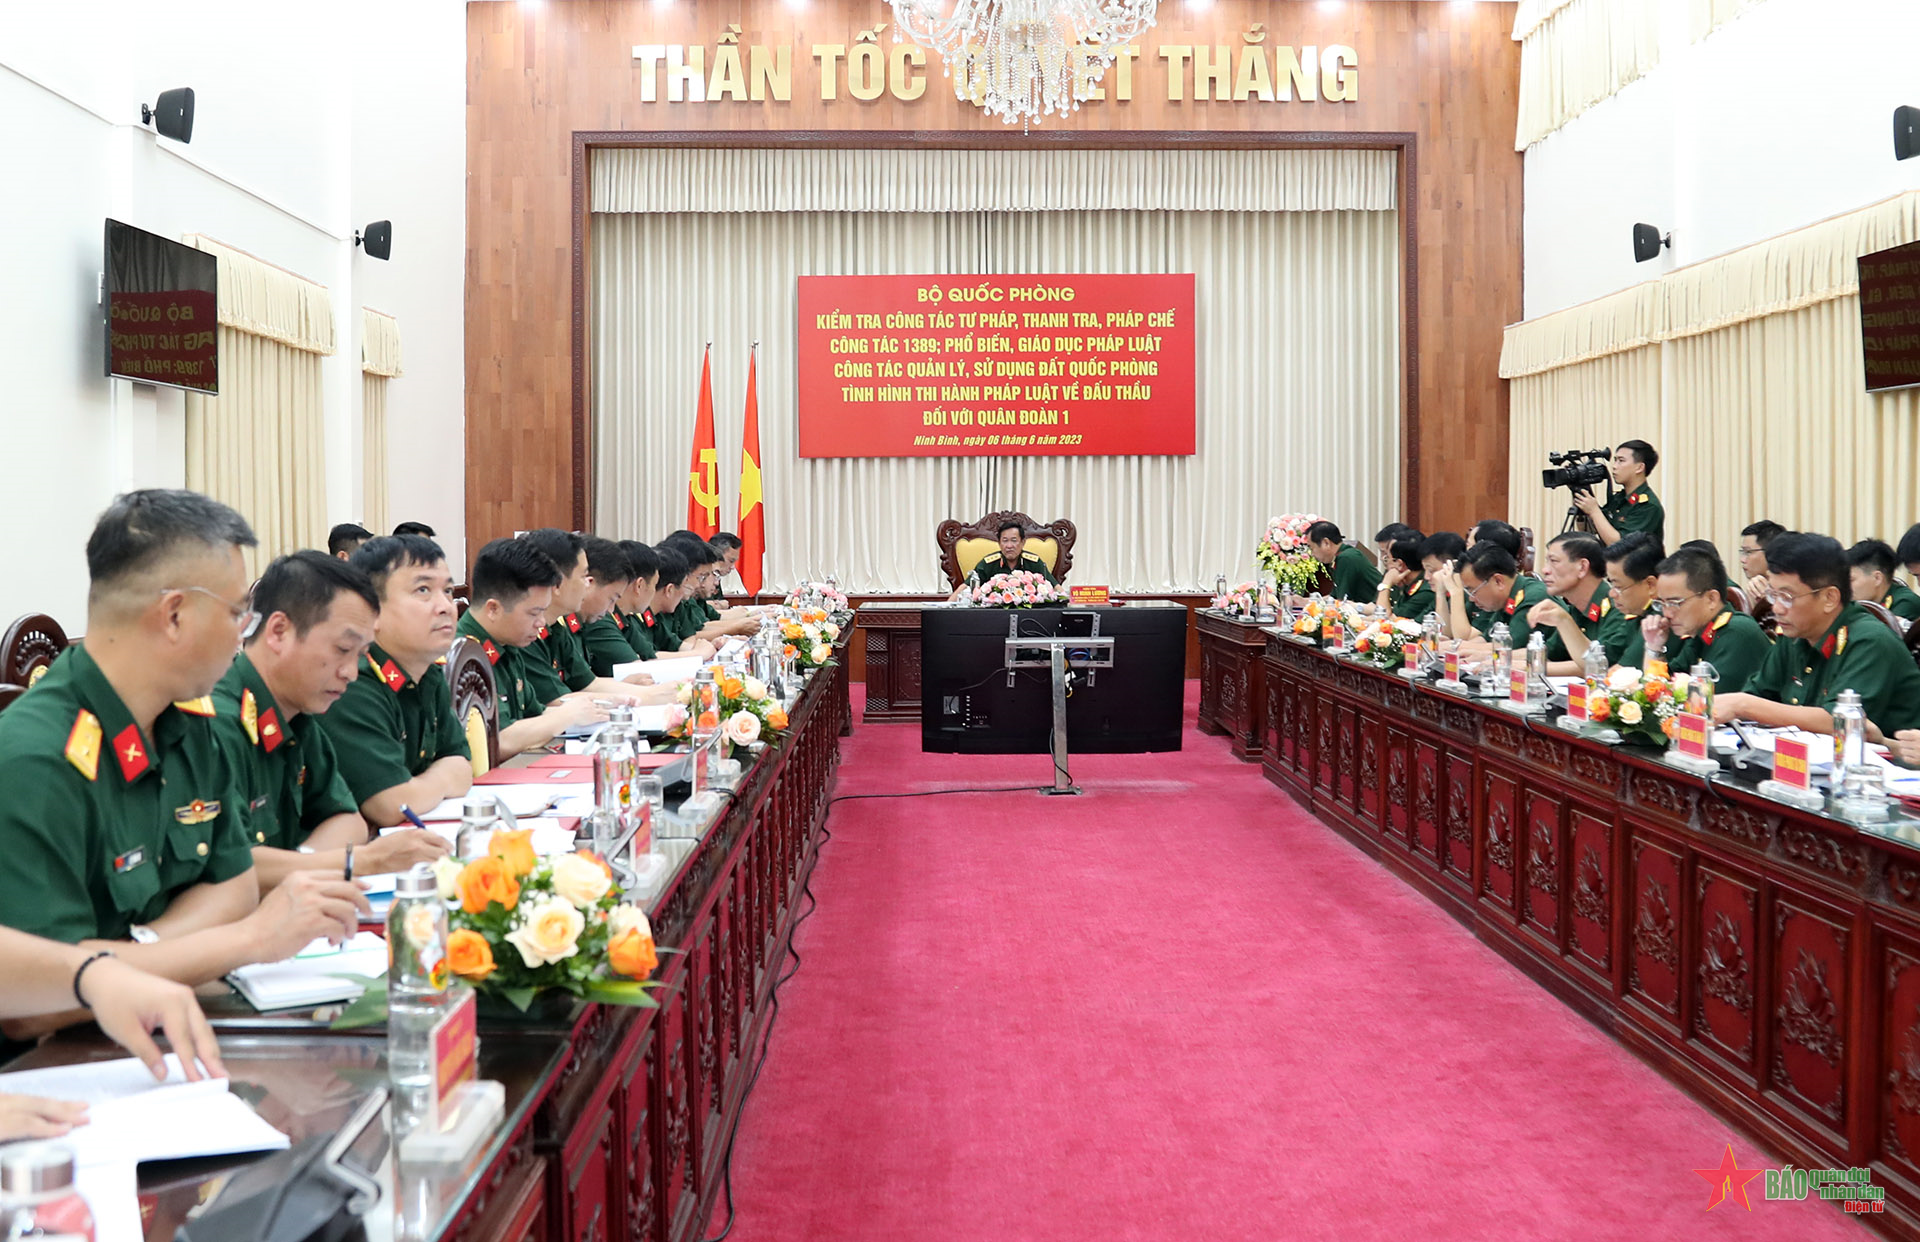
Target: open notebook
(312, 976)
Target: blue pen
(413, 819)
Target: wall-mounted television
(162, 310)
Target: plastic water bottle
(615, 755)
(1701, 684)
(1502, 640)
(38, 1199)
(417, 983)
(480, 814)
(1850, 727)
(1594, 666)
(1537, 685)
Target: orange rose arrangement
(744, 709)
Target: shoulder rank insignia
(1636, 498)
(389, 673)
(1835, 644)
(131, 753)
(619, 622)
(250, 716)
(646, 617)
(272, 733)
(83, 744)
(196, 812)
(543, 631)
(493, 652)
(1598, 609)
(202, 706)
(1513, 602)
(573, 622)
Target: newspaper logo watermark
(1853, 1189)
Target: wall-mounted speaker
(172, 116)
(377, 239)
(1906, 132)
(1647, 242)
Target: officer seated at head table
(1460, 616)
(1010, 557)
(1353, 578)
(398, 741)
(1754, 538)
(124, 827)
(345, 539)
(512, 586)
(47, 977)
(727, 544)
(1390, 534)
(1633, 567)
(1403, 587)
(1873, 564)
(1440, 555)
(316, 623)
(1580, 602)
(1828, 643)
(1694, 622)
(1491, 582)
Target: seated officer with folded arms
(1873, 565)
(1403, 588)
(1633, 505)
(394, 731)
(1490, 580)
(1696, 623)
(612, 640)
(1579, 602)
(123, 819)
(317, 617)
(1633, 580)
(1353, 578)
(1754, 539)
(1011, 556)
(512, 586)
(1827, 644)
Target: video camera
(1577, 469)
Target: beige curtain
(379, 362)
(1297, 388)
(1575, 53)
(1745, 371)
(260, 445)
(1706, 16)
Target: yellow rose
(580, 880)
(514, 847)
(550, 932)
(1630, 712)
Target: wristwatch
(142, 934)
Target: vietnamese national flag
(753, 514)
(703, 473)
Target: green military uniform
(640, 635)
(517, 695)
(1620, 635)
(994, 563)
(712, 613)
(1733, 643)
(1589, 620)
(660, 632)
(1413, 605)
(1856, 653)
(1902, 602)
(102, 825)
(285, 769)
(1638, 509)
(388, 728)
(1354, 577)
(606, 643)
(560, 650)
(686, 620)
(1525, 592)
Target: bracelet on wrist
(80, 972)
(349, 866)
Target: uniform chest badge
(83, 744)
(197, 812)
(126, 862)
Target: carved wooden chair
(1737, 596)
(8, 694)
(964, 544)
(1897, 624)
(1526, 549)
(30, 645)
(475, 703)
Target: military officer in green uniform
(695, 617)
(611, 640)
(122, 818)
(317, 617)
(1403, 588)
(1873, 565)
(1633, 580)
(1696, 623)
(398, 741)
(1827, 644)
(1010, 557)
(1440, 555)
(1579, 604)
(1492, 582)
(591, 572)
(1633, 505)
(1353, 578)
(512, 589)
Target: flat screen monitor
(162, 310)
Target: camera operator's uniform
(1638, 509)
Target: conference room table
(617, 1120)
(1766, 958)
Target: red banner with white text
(949, 366)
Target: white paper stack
(679, 668)
(311, 976)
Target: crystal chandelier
(1022, 59)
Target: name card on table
(456, 1050)
(1453, 667)
(1410, 657)
(1087, 594)
(1335, 634)
(1690, 739)
(1790, 765)
(1517, 683)
(1577, 702)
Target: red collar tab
(131, 753)
(646, 617)
(543, 631)
(573, 622)
(271, 734)
(391, 674)
(493, 652)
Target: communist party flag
(703, 474)
(753, 514)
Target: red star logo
(1727, 1179)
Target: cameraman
(1633, 506)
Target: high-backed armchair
(476, 705)
(964, 544)
(30, 645)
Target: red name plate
(456, 1050)
(1790, 766)
(1690, 739)
(1410, 656)
(1335, 634)
(1577, 701)
(1087, 594)
(1517, 684)
(1453, 666)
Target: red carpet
(1178, 1007)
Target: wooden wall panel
(1437, 81)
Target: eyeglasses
(1784, 599)
(1675, 605)
(242, 613)
(1750, 552)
